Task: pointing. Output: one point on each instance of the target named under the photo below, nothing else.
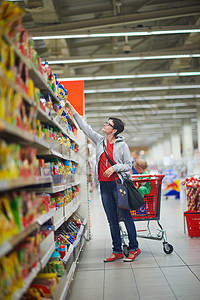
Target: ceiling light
(141, 98)
(129, 76)
(130, 108)
(175, 104)
(144, 88)
(122, 58)
(130, 115)
(112, 33)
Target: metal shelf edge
(43, 218)
(22, 182)
(44, 260)
(62, 289)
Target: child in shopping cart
(141, 167)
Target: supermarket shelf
(58, 188)
(44, 260)
(72, 121)
(38, 79)
(63, 286)
(54, 153)
(44, 116)
(44, 218)
(40, 143)
(9, 245)
(68, 254)
(40, 82)
(22, 182)
(75, 183)
(56, 121)
(52, 118)
(27, 282)
(16, 88)
(59, 223)
(14, 134)
(62, 215)
(47, 247)
(36, 76)
(73, 209)
(5, 248)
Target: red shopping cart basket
(150, 211)
(151, 208)
(193, 223)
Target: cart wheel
(125, 250)
(167, 248)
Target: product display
(38, 169)
(192, 185)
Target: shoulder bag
(128, 195)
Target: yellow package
(8, 227)
(30, 88)
(2, 99)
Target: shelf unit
(71, 259)
(46, 149)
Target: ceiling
(158, 92)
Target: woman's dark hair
(118, 124)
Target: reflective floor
(153, 274)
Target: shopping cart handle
(148, 177)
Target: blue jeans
(114, 213)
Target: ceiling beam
(136, 18)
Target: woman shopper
(119, 153)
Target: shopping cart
(150, 211)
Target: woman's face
(108, 127)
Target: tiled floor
(153, 275)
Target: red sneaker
(114, 256)
(132, 255)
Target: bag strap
(109, 160)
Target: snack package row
(20, 209)
(192, 185)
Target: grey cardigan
(121, 153)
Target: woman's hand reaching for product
(69, 106)
(108, 172)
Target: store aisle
(153, 275)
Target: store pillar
(198, 127)
(167, 145)
(152, 155)
(160, 150)
(187, 140)
(176, 143)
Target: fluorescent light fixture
(115, 59)
(175, 104)
(145, 88)
(130, 108)
(126, 100)
(112, 77)
(169, 97)
(111, 33)
(93, 117)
